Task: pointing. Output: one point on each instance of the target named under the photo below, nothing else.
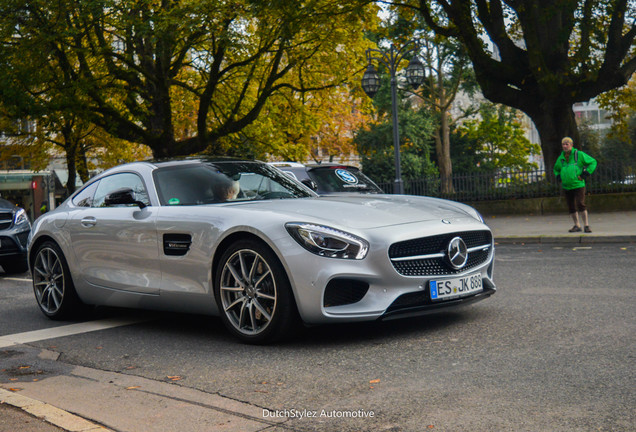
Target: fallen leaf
(13, 379)
(174, 378)
(15, 389)
(132, 388)
(375, 381)
(24, 367)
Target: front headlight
(21, 217)
(328, 242)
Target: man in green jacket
(572, 168)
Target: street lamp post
(371, 85)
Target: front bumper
(337, 290)
(13, 243)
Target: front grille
(6, 219)
(435, 245)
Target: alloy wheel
(48, 280)
(248, 292)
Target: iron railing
(500, 185)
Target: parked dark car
(14, 233)
(330, 179)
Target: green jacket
(570, 170)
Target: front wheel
(253, 294)
(52, 283)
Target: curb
(50, 414)
(567, 239)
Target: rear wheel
(253, 293)
(52, 283)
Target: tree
(499, 140)
(416, 128)
(20, 147)
(128, 60)
(448, 72)
(621, 105)
(549, 54)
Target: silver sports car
(244, 241)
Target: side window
(112, 183)
(85, 197)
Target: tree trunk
(442, 148)
(71, 154)
(82, 164)
(554, 120)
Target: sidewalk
(615, 227)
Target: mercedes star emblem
(457, 253)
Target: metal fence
(500, 185)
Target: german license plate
(446, 289)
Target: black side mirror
(310, 184)
(123, 196)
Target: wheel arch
(244, 235)
(36, 245)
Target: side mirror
(310, 184)
(125, 196)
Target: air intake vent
(341, 292)
(176, 244)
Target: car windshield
(342, 179)
(216, 182)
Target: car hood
(366, 211)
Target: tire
(253, 294)
(53, 285)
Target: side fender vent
(176, 244)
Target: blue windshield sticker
(346, 176)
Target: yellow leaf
(132, 388)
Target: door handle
(88, 222)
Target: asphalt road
(554, 349)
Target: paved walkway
(32, 414)
(606, 227)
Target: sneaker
(587, 229)
(575, 229)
